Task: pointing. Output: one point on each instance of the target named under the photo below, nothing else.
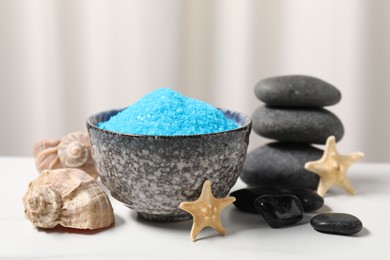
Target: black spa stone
(245, 198)
(297, 91)
(279, 210)
(281, 165)
(309, 199)
(297, 124)
(336, 223)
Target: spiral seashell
(67, 197)
(43, 206)
(45, 153)
(71, 151)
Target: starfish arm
(226, 201)
(189, 206)
(206, 191)
(330, 147)
(347, 186)
(315, 167)
(353, 157)
(217, 226)
(323, 187)
(196, 228)
(310, 165)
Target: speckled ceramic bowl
(153, 174)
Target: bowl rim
(246, 125)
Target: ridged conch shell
(71, 151)
(67, 197)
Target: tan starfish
(332, 168)
(206, 211)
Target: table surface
(248, 234)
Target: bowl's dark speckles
(153, 174)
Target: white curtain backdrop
(61, 61)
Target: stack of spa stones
(280, 189)
(293, 115)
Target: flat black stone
(281, 165)
(336, 223)
(297, 124)
(279, 210)
(297, 91)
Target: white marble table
(249, 237)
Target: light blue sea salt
(167, 112)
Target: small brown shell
(45, 153)
(68, 197)
(71, 151)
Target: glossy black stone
(297, 91)
(309, 199)
(245, 198)
(336, 223)
(279, 210)
(281, 164)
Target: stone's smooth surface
(206, 211)
(281, 164)
(336, 223)
(297, 91)
(297, 125)
(310, 200)
(333, 167)
(279, 210)
(245, 198)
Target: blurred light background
(61, 61)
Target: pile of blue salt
(166, 112)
